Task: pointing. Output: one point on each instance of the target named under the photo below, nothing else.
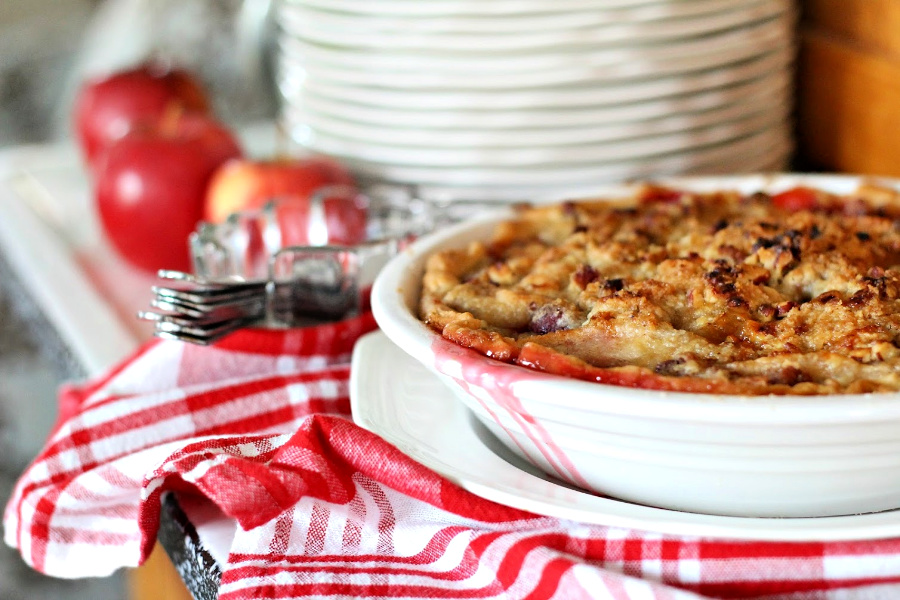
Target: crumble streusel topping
(791, 294)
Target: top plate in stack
(507, 99)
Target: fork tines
(201, 311)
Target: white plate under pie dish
(397, 398)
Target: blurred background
(48, 48)
(38, 42)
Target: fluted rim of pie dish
(402, 276)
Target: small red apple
(334, 216)
(151, 186)
(248, 185)
(108, 108)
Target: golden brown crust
(793, 294)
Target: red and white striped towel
(259, 425)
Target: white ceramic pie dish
(714, 454)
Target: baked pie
(721, 292)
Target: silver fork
(306, 284)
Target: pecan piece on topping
(859, 298)
(826, 297)
(767, 311)
(784, 308)
(737, 302)
(721, 279)
(770, 328)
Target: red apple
(335, 216)
(151, 186)
(108, 108)
(248, 185)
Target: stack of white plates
(513, 98)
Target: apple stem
(168, 124)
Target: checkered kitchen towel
(259, 424)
